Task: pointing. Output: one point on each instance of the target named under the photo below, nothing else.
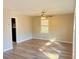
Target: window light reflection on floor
(50, 41)
(50, 55)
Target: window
(44, 26)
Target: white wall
(60, 28)
(7, 38)
(23, 27)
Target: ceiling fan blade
(49, 16)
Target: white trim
(65, 41)
(29, 38)
(56, 40)
(74, 37)
(7, 49)
(40, 38)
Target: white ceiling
(34, 7)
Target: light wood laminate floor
(40, 49)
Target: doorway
(13, 22)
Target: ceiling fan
(44, 15)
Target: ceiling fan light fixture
(43, 15)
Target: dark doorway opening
(13, 22)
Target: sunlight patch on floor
(50, 55)
(58, 51)
(50, 41)
(53, 39)
(59, 44)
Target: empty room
(38, 29)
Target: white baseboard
(39, 38)
(57, 40)
(29, 38)
(65, 41)
(7, 49)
